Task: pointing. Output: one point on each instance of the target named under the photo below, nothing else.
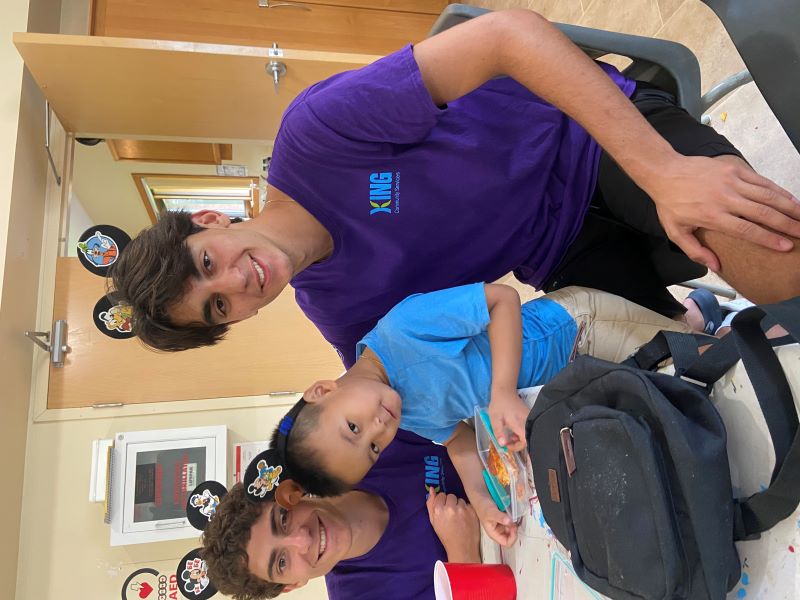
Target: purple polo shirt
(400, 565)
(419, 197)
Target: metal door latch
(57, 347)
(274, 67)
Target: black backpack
(631, 468)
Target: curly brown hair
(224, 548)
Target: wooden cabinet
(362, 26)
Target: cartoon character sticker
(113, 318)
(268, 477)
(100, 250)
(100, 246)
(206, 503)
(118, 318)
(195, 576)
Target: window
(233, 196)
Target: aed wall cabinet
(152, 475)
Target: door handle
(266, 4)
(274, 67)
(57, 347)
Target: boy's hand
(508, 414)
(497, 524)
(456, 525)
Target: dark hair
(303, 462)
(224, 548)
(151, 275)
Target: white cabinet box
(153, 473)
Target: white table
(770, 565)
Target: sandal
(709, 308)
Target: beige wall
(56, 545)
(64, 538)
(108, 194)
(21, 202)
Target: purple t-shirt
(419, 197)
(400, 566)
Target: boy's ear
(289, 493)
(211, 219)
(318, 390)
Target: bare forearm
(464, 555)
(528, 48)
(464, 456)
(505, 335)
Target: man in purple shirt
(379, 541)
(421, 172)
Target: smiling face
(357, 420)
(240, 271)
(291, 546)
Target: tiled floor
(743, 116)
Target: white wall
(107, 191)
(22, 170)
(64, 538)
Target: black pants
(622, 247)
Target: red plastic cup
(457, 581)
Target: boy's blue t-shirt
(435, 349)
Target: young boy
(435, 356)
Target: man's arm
(456, 525)
(506, 410)
(689, 192)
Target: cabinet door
(121, 88)
(149, 89)
(431, 7)
(310, 26)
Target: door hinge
(57, 347)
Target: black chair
(767, 35)
(669, 65)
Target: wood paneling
(431, 7)
(192, 153)
(97, 85)
(279, 350)
(324, 26)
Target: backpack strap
(763, 510)
(682, 347)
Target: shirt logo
(434, 474)
(381, 188)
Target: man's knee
(760, 274)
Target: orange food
(497, 467)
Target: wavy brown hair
(224, 548)
(151, 275)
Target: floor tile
(640, 17)
(750, 125)
(667, 8)
(561, 11)
(697, 27)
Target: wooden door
(152, 89)
(366, 26)
(124, 88)
(277, 351)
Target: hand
(725, 195)
(496, 523)
(508, 413)
(456, 524)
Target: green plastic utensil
(497, 492)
